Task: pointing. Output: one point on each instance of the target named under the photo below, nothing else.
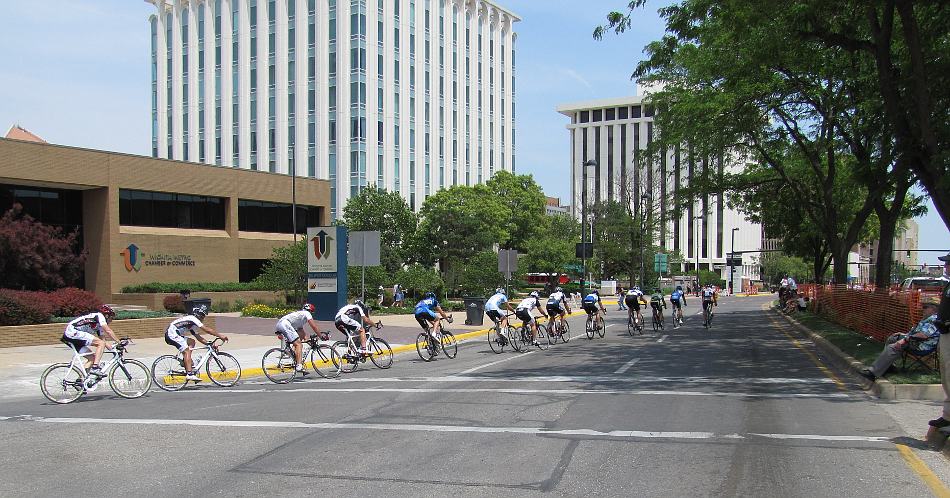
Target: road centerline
(626, 366)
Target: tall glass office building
(408, 95)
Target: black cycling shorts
(657, 305)
(676, 303)
(494, 315)
(554, 309)
(524, 315)
(591, 308)
(632, 302)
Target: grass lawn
(861, 348)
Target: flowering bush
(264, 311)
(71, 301)
(174, 303)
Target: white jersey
(297, 319)
(792, 284)
(350, 311)
(187, 323)
(555, 299)
(708, 294)
(91, 323)
(635, 292)
(529, 303)
(494, 303)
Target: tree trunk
(839, 254)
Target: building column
(227, 117)
(161, 72)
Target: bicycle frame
(370, 338)
(78, 362)
(210, 352)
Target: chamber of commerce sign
(135, 258)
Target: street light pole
(643, 197)
(732, 255)
(699, 220)
(593, 163)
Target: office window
(275, 217)
(163, 209)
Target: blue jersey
(676, 295)
(428, 304)
(591, 299)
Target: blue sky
(76, 72)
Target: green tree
(479, 274)
(286, 270)
(777, 265)
(457, 222)
(525, 201)
(551, 250)
(418, 279)
(387, 212)
(375, 276)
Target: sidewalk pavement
(249, 338)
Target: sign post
(507, 264)
(326, 270)
(364, 251)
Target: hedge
(120, 315)
(162, 287)
(33, 307)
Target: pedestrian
(620, 296)
(943, 325)
(382, 295)
(398, 295)
(923, 339)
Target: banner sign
(326, 270)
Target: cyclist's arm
(541, 309)
(109, 331)
(313, 326)
(439, 309)
(210, 331)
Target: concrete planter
(50, 333)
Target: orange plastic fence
(873, 314)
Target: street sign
(735, 261)
(507, 262)
(660, 263)
(718, 266)
(364, 249)
(584, 250)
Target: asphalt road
(739, 410)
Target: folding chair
(927, 360)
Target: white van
(925, 284)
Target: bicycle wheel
(130, 379)
(62, 383)
(382, 353)
(322, 362)
(656, 323)
(601, 329)
(542, 337)
(590, 327)
(630, 327)
(565, 331)
(552, 339)
(511, 335)
(449, 345)
(223, 369)
(496, 340)
(423, 347)
(279, 365)
(168, 373)
(343, 360)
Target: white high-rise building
(616, 133)
(408, 95)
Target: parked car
(928, 285)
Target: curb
(259, 372)
(881, 388)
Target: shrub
(221, 307)
(71, 301)
(174, 303)
(24, 307)
(264, 311)
(162, 287)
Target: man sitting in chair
(921, 339)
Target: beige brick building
(155, 220)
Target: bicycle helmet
(362, 306)
(430, 294)
(500, 291)
(558, 290)
(309, 307)
(107, 311)
(200, 312)
(534, 294)
(596, 292)
(679, 287)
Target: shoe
(299, 368)
(867, 374)
(364, 351)
(535, 343)
(192, 376)
(939, 422)
(96, 370)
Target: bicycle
(707, 316)
(428, 345)
(657, 320)
(542, 337)
(634, 325)
(280, 363)
(501, 338)
(65, 382)
(168, 371)
(559, 328)
(594, 327)
(677, 317)
(345, 357)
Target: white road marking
(620, 434)
(470, 370)
(626, 366)
(661, 339)
(447, 390)
(514, 377)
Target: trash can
(474, 310)
(191, 304)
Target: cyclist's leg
(186, 354)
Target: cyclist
(678, 300)
(426, 310)
(79, 334)
(290, 327)
(174, 336)
(523, 312)
(493, 308)
(592, 305)
(710, 296)
(352, 318)
(632, 300)
(557, 306)
(658, 303)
